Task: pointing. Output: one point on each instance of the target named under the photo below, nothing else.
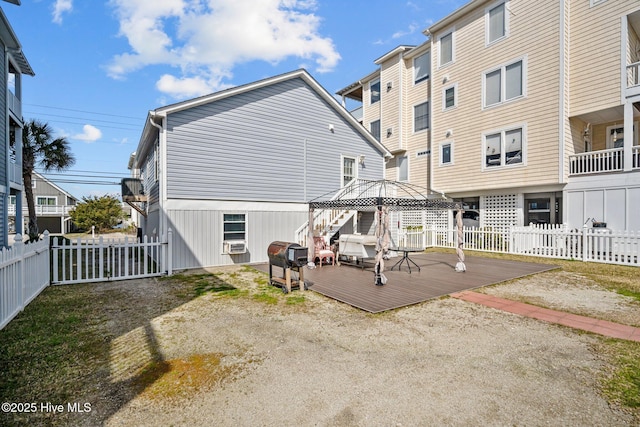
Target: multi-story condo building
(528, 111)
(13, 65)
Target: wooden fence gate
(98, 260)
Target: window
(46, 201)
(234, 226)
(375, 129)
(446, 49)
(421, 116)
(615, 136)
(449, 97)
(504, 148)
(422, 67)
(349, 171)
(403, 168)
(504, 84)
(496, 20)
(446, 153)
(374, 87)
(12, 200)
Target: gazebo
(381, 197)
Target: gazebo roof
(367, 195)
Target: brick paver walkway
(602, 327)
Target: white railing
(24, 273)
(15, 172)
(98, 260)
(14, 104)
(635, 153)
(633, 74)
(552, 241)
(324, 218)
(596, 161)
(56, 210)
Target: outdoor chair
(322, 251)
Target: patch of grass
(266, 297)
(182, 377)
(206, 283)
(295, 300)
(622, 382)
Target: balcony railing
(44, 210)
(633, 75)
(611, 160)
(15, 173)
(14, 104)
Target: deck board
(437, 278)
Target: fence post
(585, 243)
(18, 246)
(169, 252)
(47, 252)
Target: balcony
(44, 210)
(14, 104)
(602, 161)
(15, 173)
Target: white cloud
(89, 134)
(59, 8)
(206, 39)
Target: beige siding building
(523, 113)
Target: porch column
(19, 219)
(628, 141)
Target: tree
(102, 212)
(40, 148)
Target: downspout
(563, 89)
(161, 172)
(400, 100)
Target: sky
(100, 66)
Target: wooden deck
(437, 278)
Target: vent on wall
(234, 247)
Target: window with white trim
(450, 97)
(445, 43)
(421, 67)
(497, 22)
(234, 226)
(349, 170)
(446, 153)
(403, 168)
(504, 147)
(375, 129)
(421, 116)
(46, 201)
(504, 83)
(374, 88)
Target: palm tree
(39, 147)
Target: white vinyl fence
(552, 241)
(24, 273)
(98, 260)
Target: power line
(79, 118)
(83, 111)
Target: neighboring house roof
(149, 131)
(394, 52)
(12, 43)
(42, 178)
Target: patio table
(405, 257)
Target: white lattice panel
(500, 212)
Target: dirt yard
(245, 355)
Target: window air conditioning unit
(234, 247)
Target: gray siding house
(233, 171)
(13, 65)
(52, 204)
